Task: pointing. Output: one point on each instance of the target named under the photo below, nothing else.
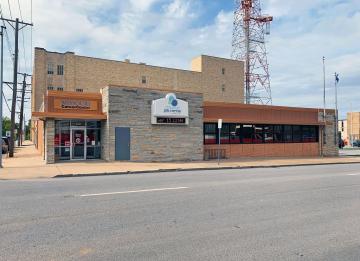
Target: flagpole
(324, 94)
(336, 107)
(324, 112)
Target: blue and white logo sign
(171, 98)
(173, 104)
(170, 106)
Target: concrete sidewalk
(28, 164)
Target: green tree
(27, 130)
(6, 125)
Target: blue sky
(171, 32)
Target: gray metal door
(122, 143)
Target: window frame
(50, 68)
(60, 69)
(285, 133)
(207, 132)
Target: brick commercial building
(88, 108)
(352, 127)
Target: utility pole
(13, 102)
(21, 132)
(14, 97)
(1, 83)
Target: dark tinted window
(268, 134)
(297, 133)
(278, 133)
(210, 133)
(309, 134)
(258, 136)
(224, 133)
(288, 133)
(235, 131)
(247, 133)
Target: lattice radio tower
(250, 28)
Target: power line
(9, 9)
(20, 9)
(23, 36)
(31, 35)
(7, 36)
(7, 105)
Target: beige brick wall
(93, 74)
(353, 125)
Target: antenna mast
(248, 44)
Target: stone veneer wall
(49, 141)
(131, 107)
(330, 147)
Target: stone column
(49, 141)
(330, 146)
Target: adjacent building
(87, 108)
(353, 126)
(343, 131)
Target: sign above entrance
(170, 110)
(71, 104)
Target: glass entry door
(78, 144)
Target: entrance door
(78, 144)
(122, 143)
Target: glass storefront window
(224, 134)
(235, 130)
(237, 133)
(288, 133)
(65, 137)
(77, 139)
(210, 133)
(268, 134)
(258, 134)
(247, 133)
(93, 124)
(77, 123)
(278, 133)
(297, 133)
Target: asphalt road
(295, 213)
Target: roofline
(264, 107)
(151, 89)
(138, 64)
(221, 58)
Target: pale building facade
(218, 79)
(343, 129)
(353, 126)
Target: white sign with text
(170, 110)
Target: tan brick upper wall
(93, 74)
(353, 123)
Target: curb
(196, 169)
